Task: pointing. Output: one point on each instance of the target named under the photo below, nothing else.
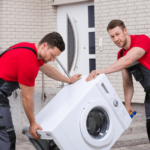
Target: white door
(76, 25)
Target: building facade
(82, 23)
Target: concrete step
(135, 128)
(137, 147)
(22, 145)
(139, 118)
(131, 140)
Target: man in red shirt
(133, 59)
(19, 68)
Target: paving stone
(139, 127)
(139, 118)
(24, 145)
(138, 147)
(21, 145)
(131, 140)
(136, 127)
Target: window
(91, 16)
(91, 38)
(71, 45)
(92, 64)
(91, 42)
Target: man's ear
(44, 45)
(125, 31)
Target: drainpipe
(43, 92)
(63, 67)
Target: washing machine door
(96, 124)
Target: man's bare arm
(128, 89)
(133, 55)
(56, 75)
(28, 104)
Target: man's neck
(37, 47)
(127, 46)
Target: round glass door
(97, 123)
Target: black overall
(7, 133)
(142, 74)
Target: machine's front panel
(96, 123)
(114, 101)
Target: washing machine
(82, 116)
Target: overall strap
(29, 48)
(121, 53)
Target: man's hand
(74, 78)
(33, 129)
(129, 108)
(93, 75)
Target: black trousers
(147, 112)
(7, 133)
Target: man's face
(118, 35)
(49, 54)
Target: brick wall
(136, 15)
(49, 24)
(29, 21)
(20, 21)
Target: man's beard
(123, 44)
(44, 61)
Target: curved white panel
(76, 44)
(76, 53)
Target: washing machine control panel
(115, 103)
(119, 109)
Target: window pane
(71, 46)
(91, 16)
(91, 42)
(92, 64)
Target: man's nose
(116, 38)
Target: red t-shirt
(143, 42)
(20, 65)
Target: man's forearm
(54, 74)
(131, 56)
(28, 105)
(117, 66)
(128, 93)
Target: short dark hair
(53, 39)
(115, 23)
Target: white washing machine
(82, 116)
